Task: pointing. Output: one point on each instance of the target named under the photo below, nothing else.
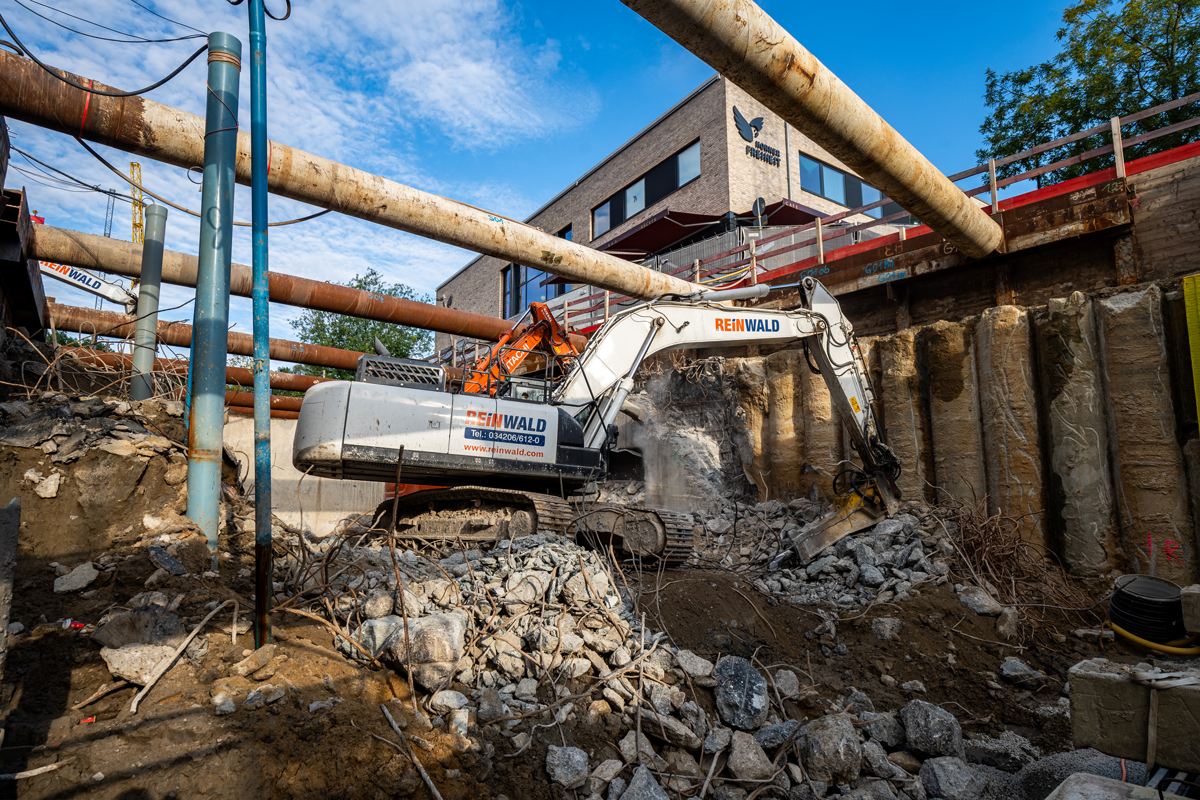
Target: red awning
(788, 212)
(656, 233)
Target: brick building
(688, 180)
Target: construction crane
(139, 206)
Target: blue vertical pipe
(210, 335)
(262, 357)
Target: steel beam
(741, 41)
(166, 134)
(89, 251)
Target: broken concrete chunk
(163, 560)
(741, 693)
(876, 762)
(255, 661)
(787, 683)
(775, 735)
(446, 701)
(694, 665)
(438, 642)
(48, 487)
(949, 778)
(567, 766)
(672, 731)
(636, 748)
(980, 601)
(150, 624)
(644, 787)
(883, 728)
(717, 740)
(1007, 623)
(135, 662)
(1014, 670)
(931, 730)
(831, 749)
(886, 628)
(747, 760)
(379, 603)
(79, 578)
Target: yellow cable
(1162, 648)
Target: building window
(523, 285)
(669, 176)
(565, 233)
(840, 187)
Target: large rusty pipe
(276, 413)
(743, 43)
(167, 134)
(89, 251)
(246, 400)
(234, 375)
(109, 323)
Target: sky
(497, 104)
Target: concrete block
(1081, 487)
(822, 435)
(1009, 413)
(954, 412)
(1111, 713)
(1152, 505)
(906, 426)
(1191, 608)
(1082, 786)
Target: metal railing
(795, 246)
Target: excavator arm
(511, 352)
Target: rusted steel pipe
(743, 43)
(234, 375)
(246, 400)
(166, 134)
(89, 251)
(275, 413)
(178, 334)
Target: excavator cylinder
(89, 251)
(739, 40)
(167, 134)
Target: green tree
(351, 333)
(1115, 59)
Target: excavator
(513, 447)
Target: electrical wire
(168, 19)
(286, 14)
(133, 38)
(165, 201)
(70, 82)
(94, 188)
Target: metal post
(141, 386)
(992, 181)
(1118, 147)
(262, 347)
(210, 326)
(753, 262)
(820, 243)
(606, 297)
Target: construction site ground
(175, 747)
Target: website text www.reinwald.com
(502, 451)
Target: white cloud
(389, 88)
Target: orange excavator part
(544, 335)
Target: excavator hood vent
(407, 372)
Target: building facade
(690, 176)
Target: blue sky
(497, 104)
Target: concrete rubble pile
(881, 565)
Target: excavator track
(512, 514)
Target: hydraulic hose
(1162, 648)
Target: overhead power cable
(165, 201)
(70, 82)
(84, 184)
(133, 38)
(168, 19)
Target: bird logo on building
(748, 130)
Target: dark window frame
(851, 187)
(616, 201)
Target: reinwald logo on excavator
(510, 428)
(747, 325)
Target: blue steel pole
(210, 335)
(262, 361)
